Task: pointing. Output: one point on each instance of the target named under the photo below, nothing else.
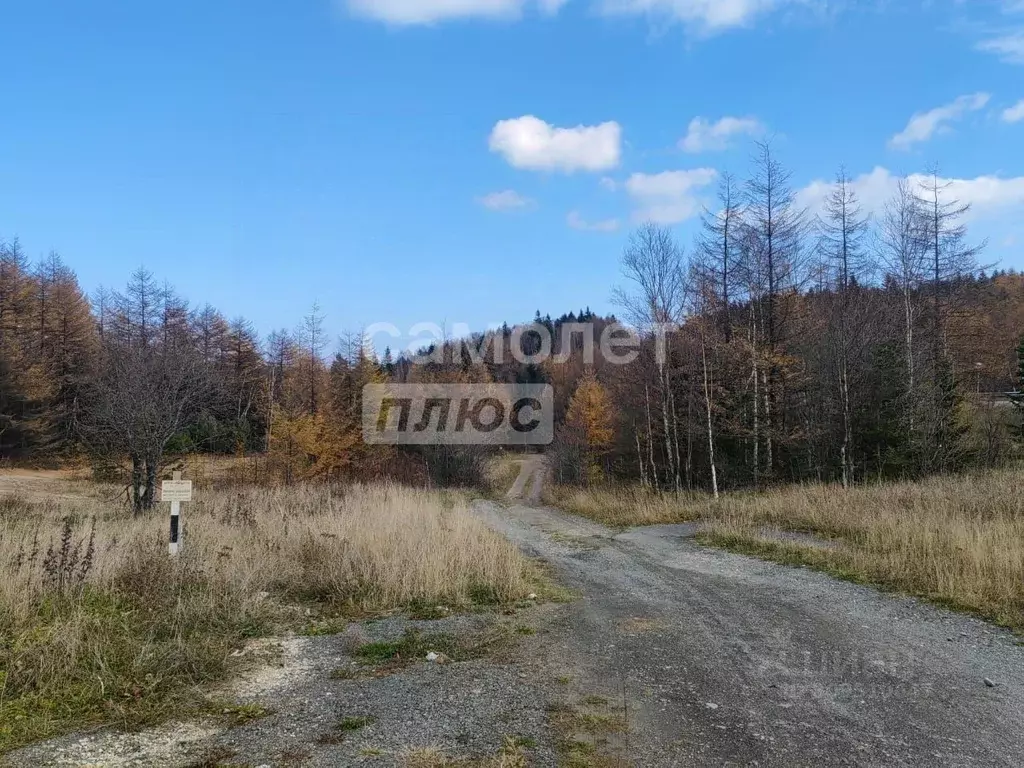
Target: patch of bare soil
(476, 688)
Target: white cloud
(1015, 113)
(409, 12)
(576, 221)
(924, 125)
(529, 143)
(704, 136)
(509, 200)
(669, 197)
(989, 196)
(706, 16)
(1008, 46)
(609, 184)
(872, 189)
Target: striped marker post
(176, 491)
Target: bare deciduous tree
(653, 262)
(902, 246)
(150, 388)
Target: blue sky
(470, 161)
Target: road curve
(530, 482)
(728, 660)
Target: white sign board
(176, 490)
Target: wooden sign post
(176, 491)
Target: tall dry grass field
(955, 540)
(99, 624)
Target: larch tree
(69, 358)
(778, 228)
(842, 230)
(314, 340)
(950, 257)
(589, 420)
(902, 253)
(717, 258)
(950, 260)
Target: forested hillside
(836, 348)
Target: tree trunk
(769, 448)
(640, 457)
(908, 310)
(650, 436)
(847, 447)
(707, 402)
(675, 437)
(149, 499)
(673, 470)
(137, 490)
(756, 375)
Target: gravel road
(727, 660)
(712, 659)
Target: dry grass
(954, 540)
(98, 624)
(624, 505)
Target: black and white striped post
(176, 491)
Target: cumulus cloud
(670, 197)
(989, 196)
(705, 16)
(924, 125)
(705, 136)
(409, 12)
(508, 200)
(609, 184)
(529, 143)
(1015, 113)
(872, 189)
(576, 221)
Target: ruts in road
(727, 660)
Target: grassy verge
(622, 506)
(98, 625)
(958, 541)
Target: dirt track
(530, 482)
(728, 660)
(717, 660)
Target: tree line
(836, 347)
(132, 378)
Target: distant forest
(838, 347)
